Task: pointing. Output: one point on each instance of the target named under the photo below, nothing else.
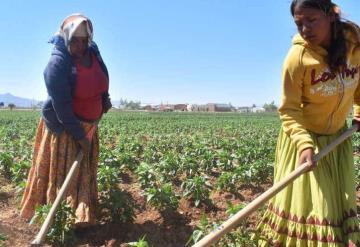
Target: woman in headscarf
(77, 82)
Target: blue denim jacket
(60, 79)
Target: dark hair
(338, 49)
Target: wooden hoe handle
(232, 222)
(47, 223)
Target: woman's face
(313, 25)
(78, 46)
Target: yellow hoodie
(313, 98)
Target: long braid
(337, 52)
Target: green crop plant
(6, 163)
(202, 230)
(227, 181)
(197, 189)
(61, 229)
(140, 243)
(146, 175)
(3, 238)
(162, 197)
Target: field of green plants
(185, 172)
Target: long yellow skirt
(319, 208)
(52, 159)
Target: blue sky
(188, 51)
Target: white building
(258, 109)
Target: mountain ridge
(8, 98)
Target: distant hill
(8, 98)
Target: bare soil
(16, 230)
(167, 228)
(161, 228)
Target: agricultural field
(164, 179)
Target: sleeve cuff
(302, 145)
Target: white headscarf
(79, 25)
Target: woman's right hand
(84, 145)
(307, 155)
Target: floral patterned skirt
(319, 208)
(52, 159)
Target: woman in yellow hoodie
(320, 85)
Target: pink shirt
(91, 83)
